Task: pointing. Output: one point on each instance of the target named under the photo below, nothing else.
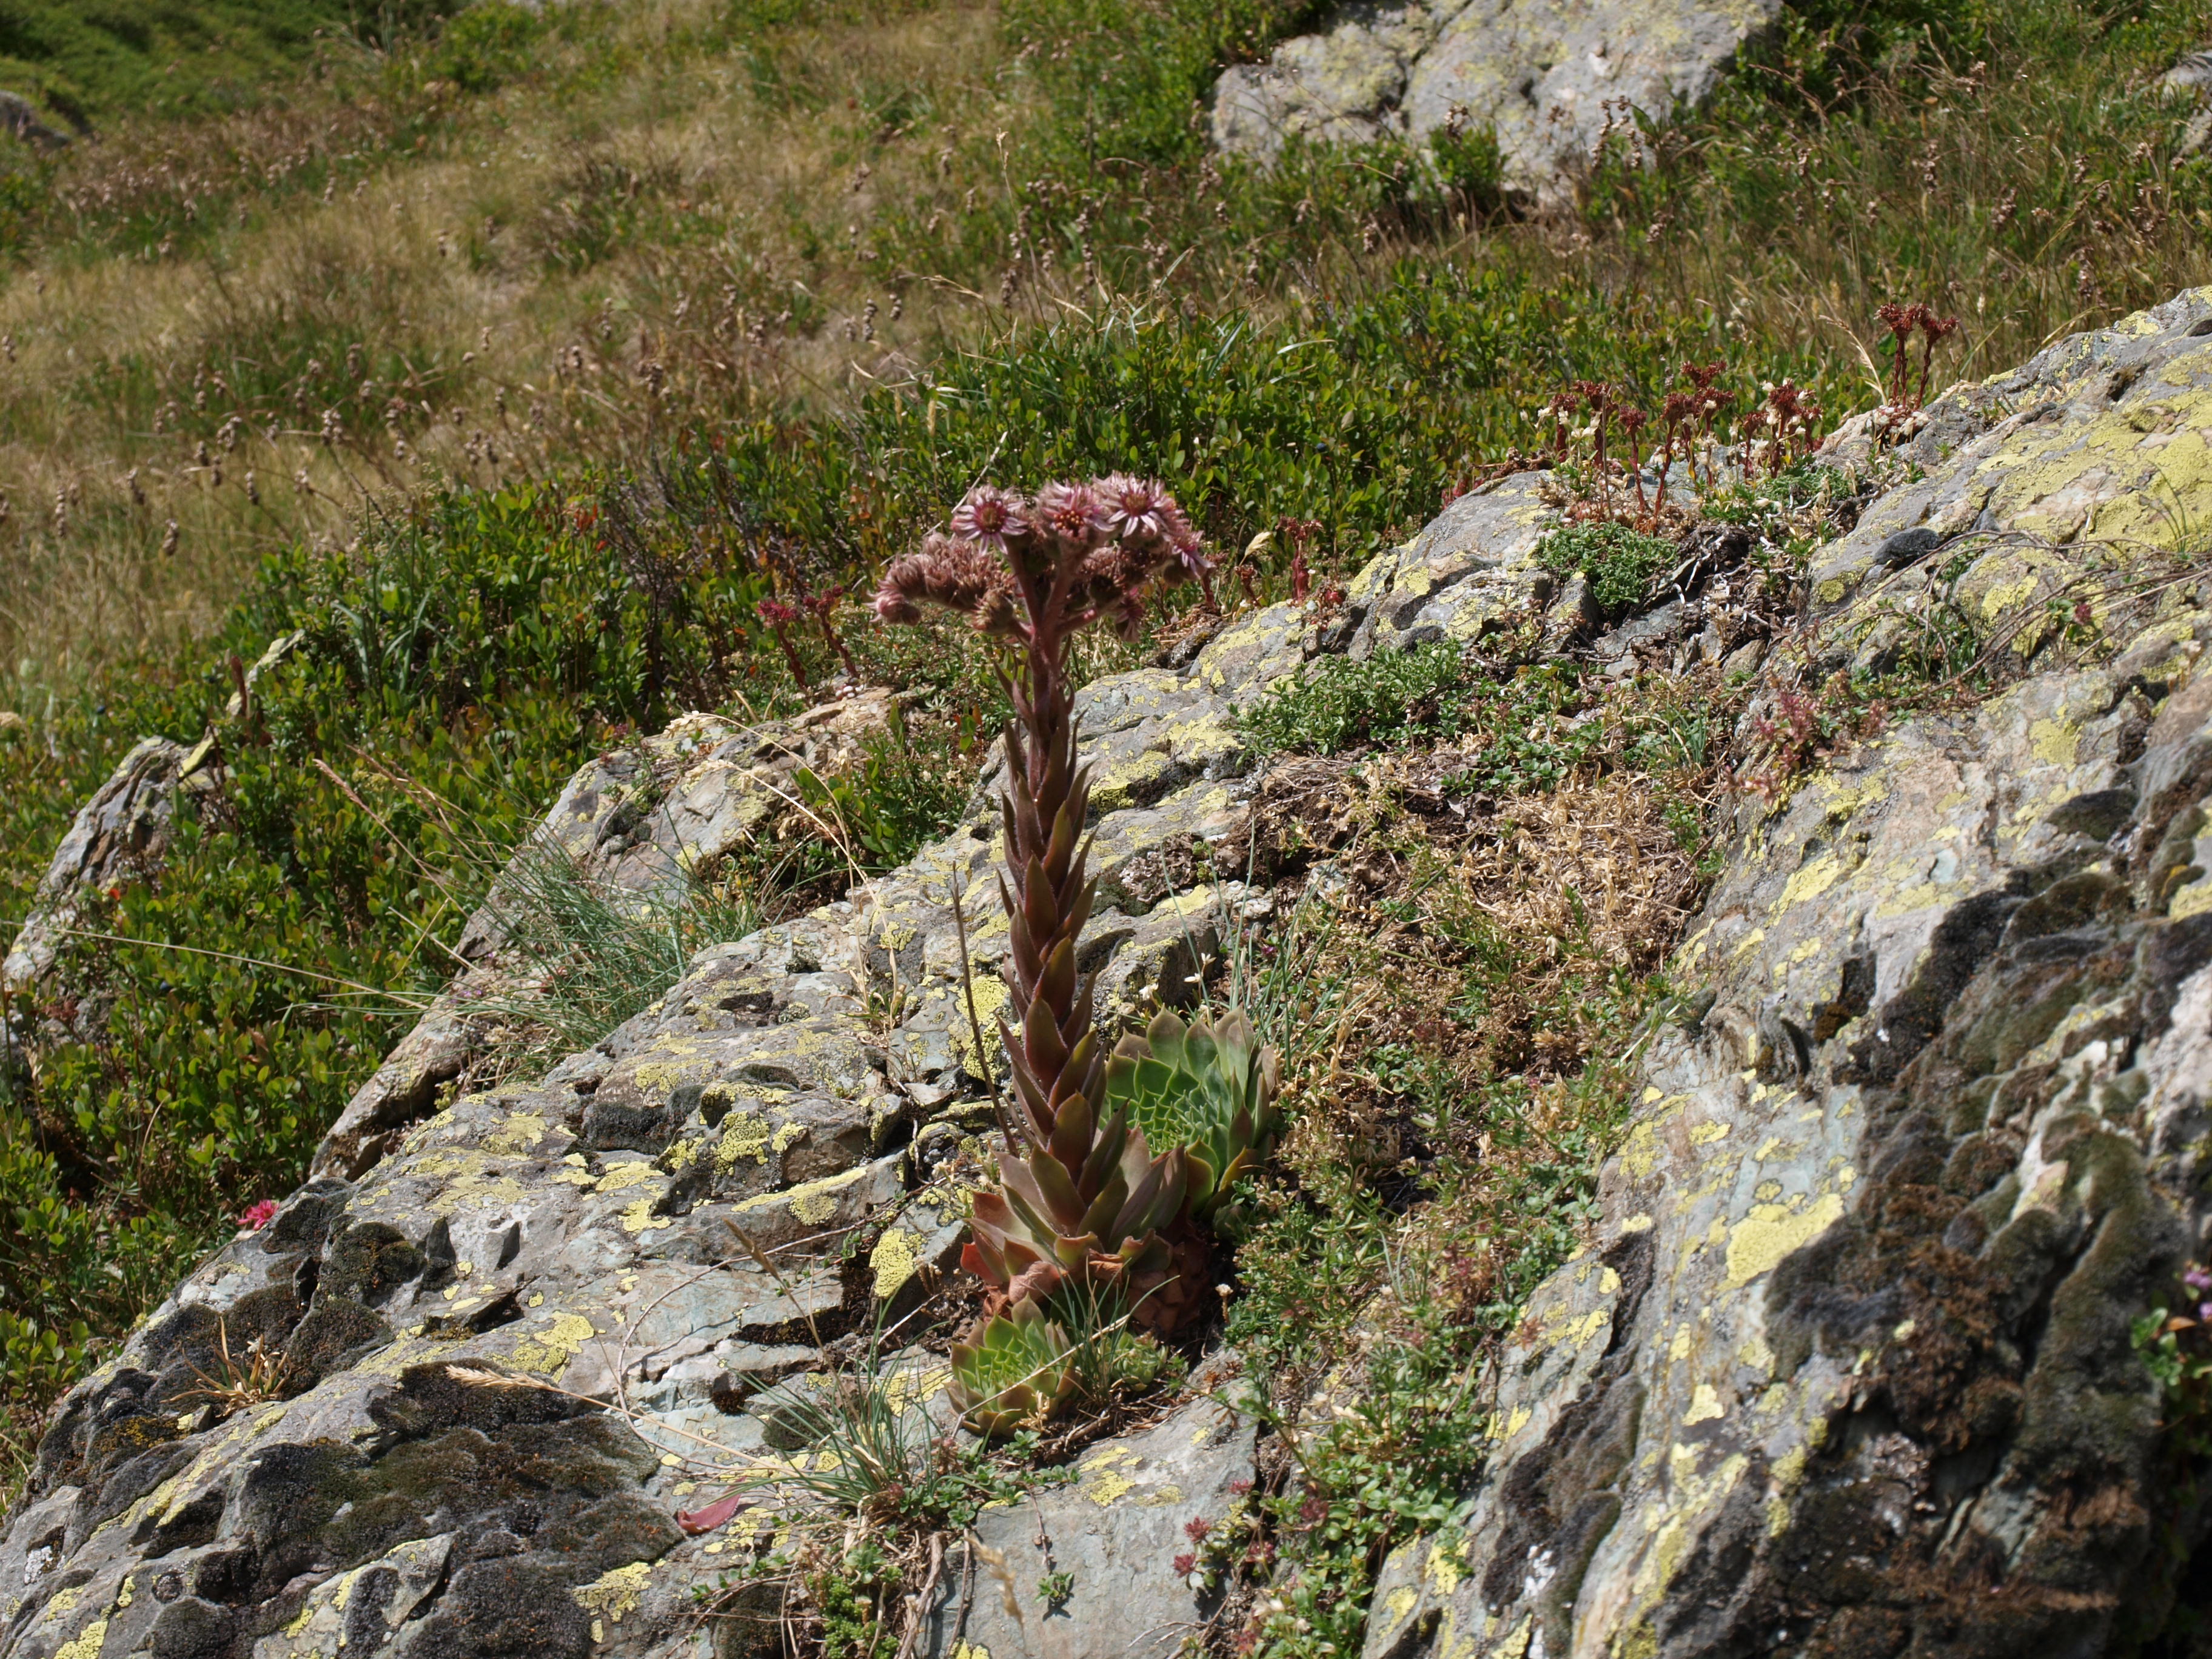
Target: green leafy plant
(1622, 566)
(1388, 699)
(2175, 1348)
(1013, 1372)
(1110, 1360)
(1208, 1087)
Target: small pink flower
(1070, 511)
(1185, 1563)
(2198, 1280)
(2204, 1312)
(989, 516)
(1135, 508)
(258, 1216)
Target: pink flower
(956, 574)
(1189, 547)
(1070, 511)
(989, 516)
(1185, 1564)
(1196, 1527)
(2198, 1280)
(258, 1216)
(1135, 508)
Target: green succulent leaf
(1206, 1087)
(1015, 1370)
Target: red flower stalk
(1676, 413)
(1901, 320)
(1301, 578)
(1084, 1199)
(780, 616)
(823, 608)
(1599, 396)
(1563, 404)
(1633, 421)
(1933, 330)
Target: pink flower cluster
(1019, 568)
(258, 1216)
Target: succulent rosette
(1014, 1370)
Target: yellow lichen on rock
(893, 1261)
(614, 1594)
(550, 1349)
(522, 1132)
(1772, 1231)
(744, 1135)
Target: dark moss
(368, 1261)
(194, 1629)
(1986, 1348)
(516, 1605)
(335, 1333)
(428, 1400)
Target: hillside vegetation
(515, 359)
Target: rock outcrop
(1547, 79)
(120, 836)
(634, 823)
(1846, 1366)
(344, 1400)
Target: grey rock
(634, 823)
(1116, 1534)
(18, 117)
(118, 836)
(1539, 74)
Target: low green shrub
(1621, 565)
(487, 46)
(1387, 699)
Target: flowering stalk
(1933, 330)
(822, 607)
(1087, 1198)
(780, 616)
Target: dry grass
(546, 278)
(1459, 979)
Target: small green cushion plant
(1207, 1087)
